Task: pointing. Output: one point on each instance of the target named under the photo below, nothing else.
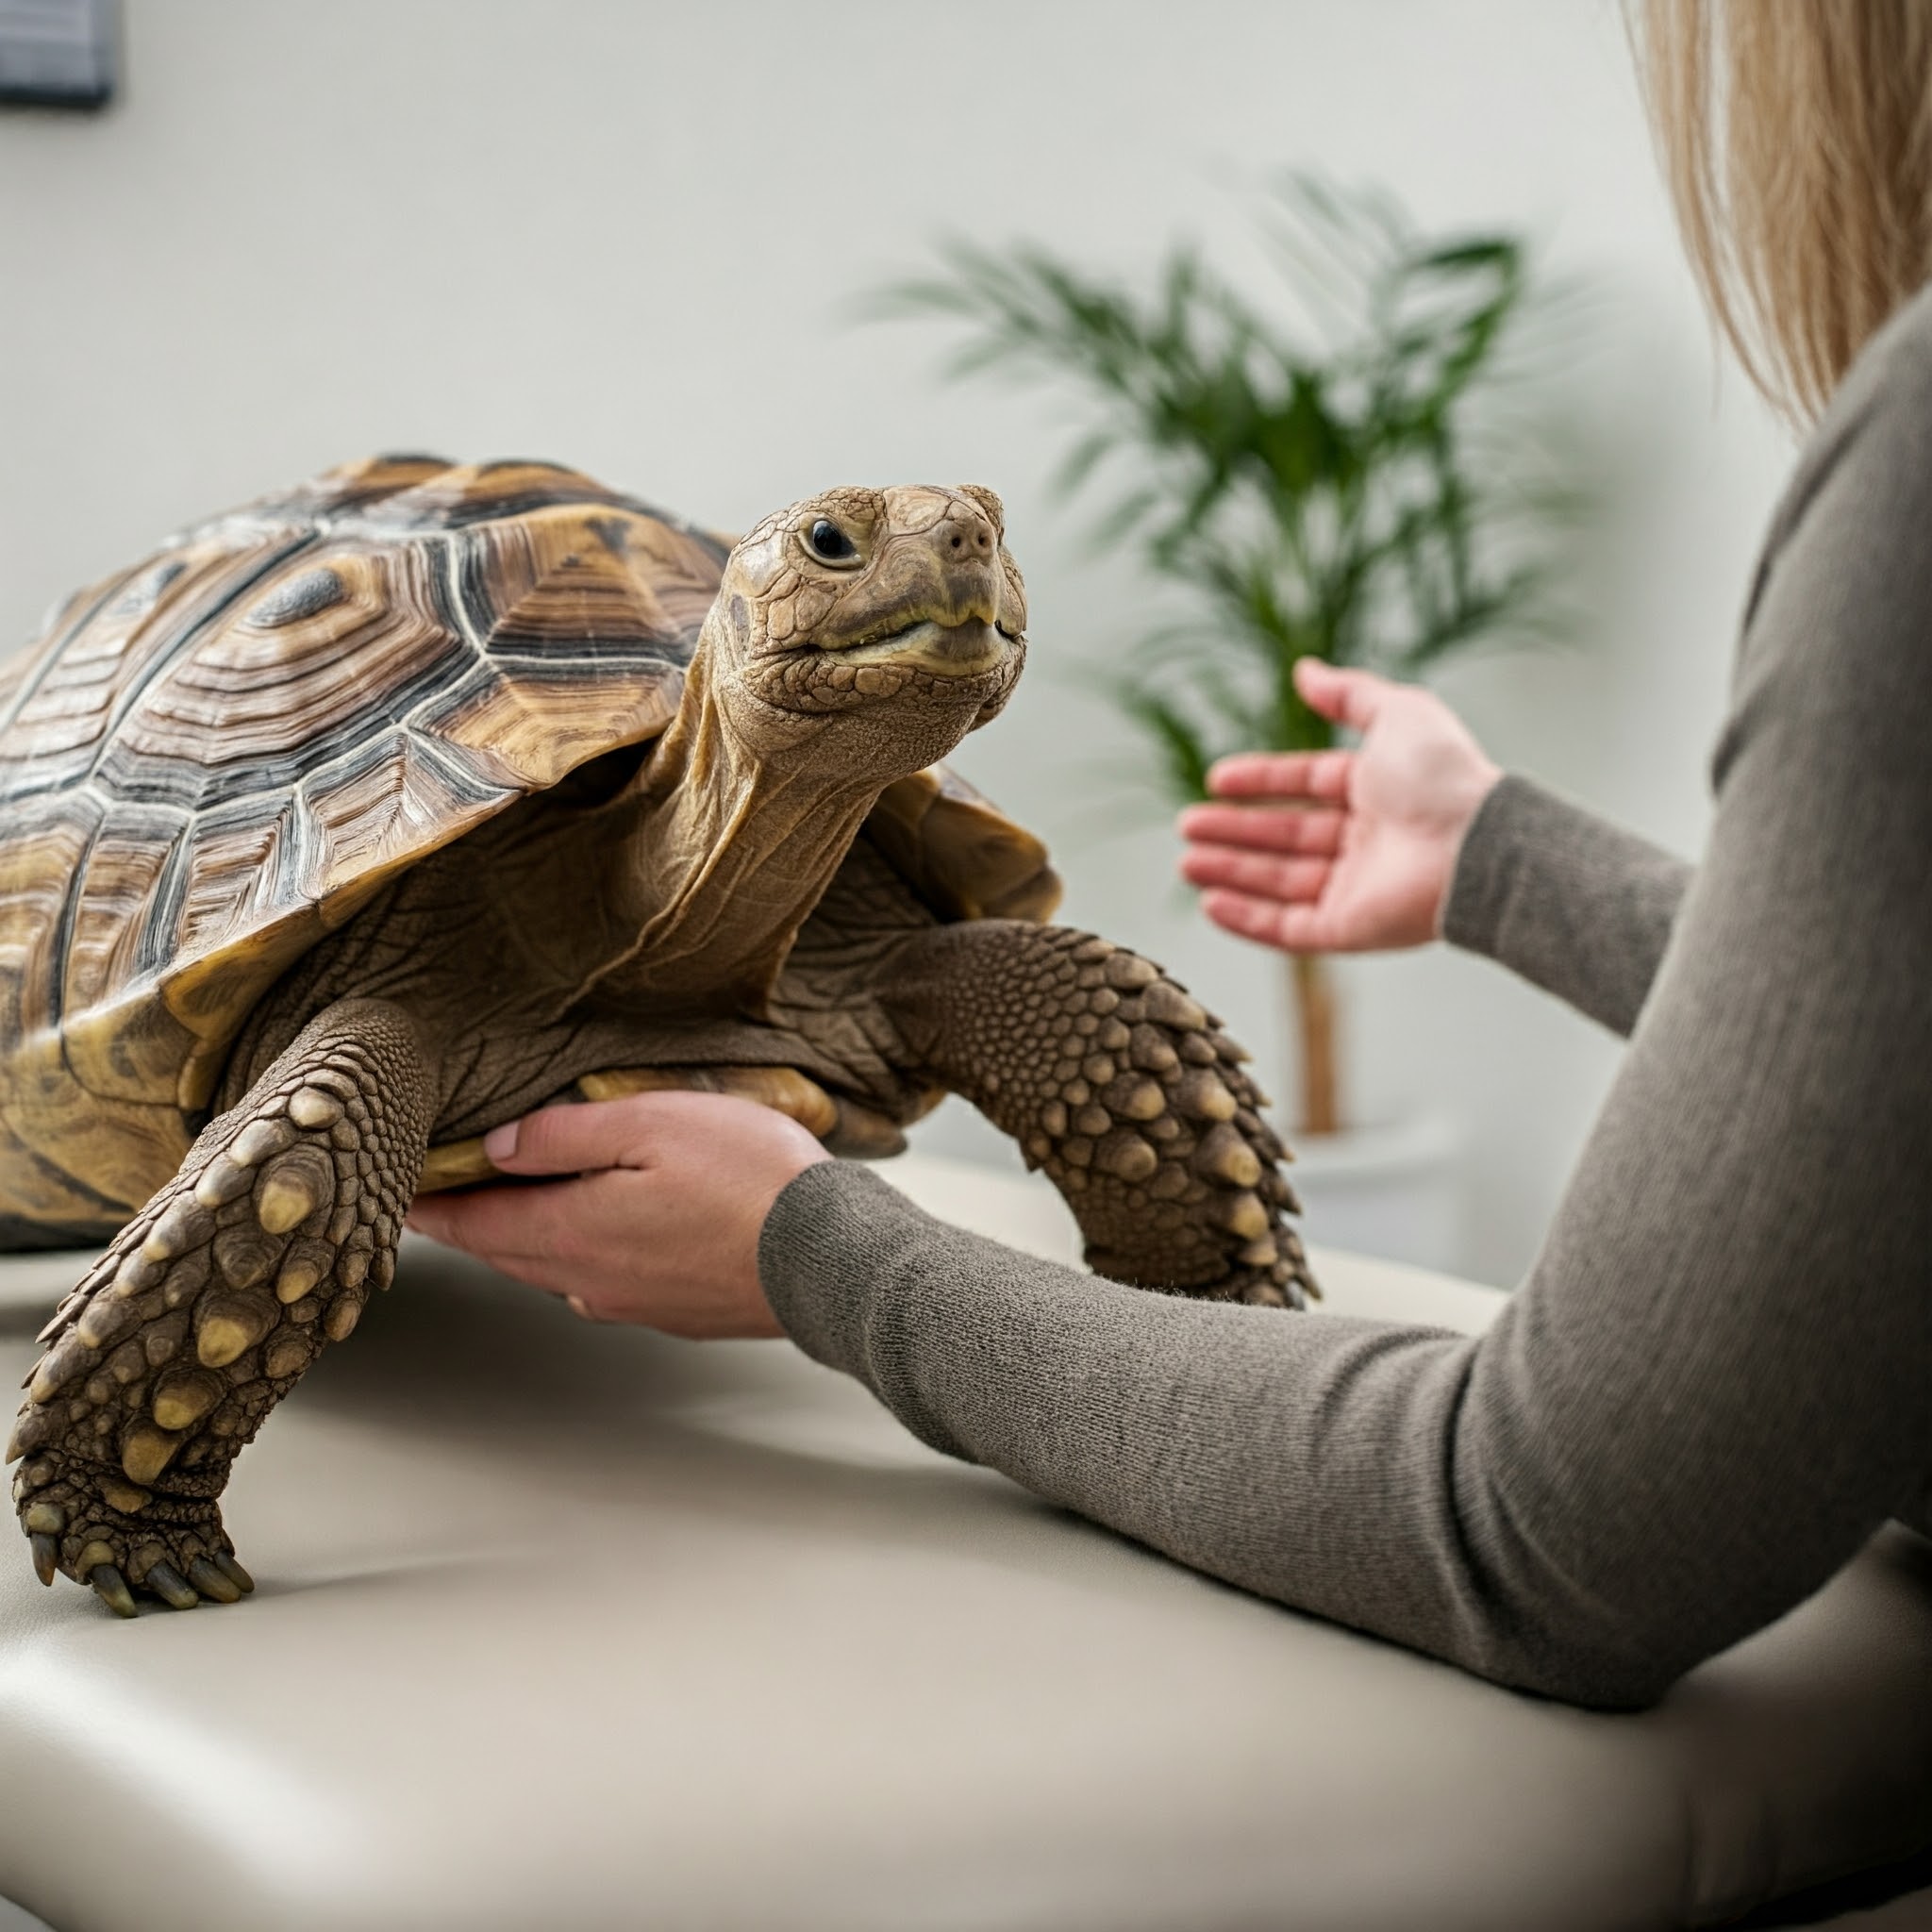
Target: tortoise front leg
(1123, 1089)
(210, 1304)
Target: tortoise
(360, 820)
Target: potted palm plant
(1349, 474)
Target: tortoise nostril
(974, 538)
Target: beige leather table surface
(563, 1626)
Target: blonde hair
(1796, 136)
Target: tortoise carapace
(358, 822)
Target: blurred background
(633, 239)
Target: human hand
(655, 1217)
(1341, 851)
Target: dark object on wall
(56, 53)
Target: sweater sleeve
(1576, 905)
(1711, 1389)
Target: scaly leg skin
(210, 1304)
(1123, 1089)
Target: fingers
(1349, 697)
(1292, 929)
(670, 1245)
(1314, 829)
(576, 1239)
(619, 1161)
(1354, 698)
(1258, 875)
(585, 1136)
(571, 1139)
(1283, 775)
(509, 1228)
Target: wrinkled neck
(725, 854)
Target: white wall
(622, 234)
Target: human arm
(1709, 1391)
(1416, 835)
(1569, 902)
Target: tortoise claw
(210, 1582)
(171, 1587)
(112, 1588)
(46, 1557)
(224, 1561)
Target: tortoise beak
(943, 650)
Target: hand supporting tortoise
(653, 1214)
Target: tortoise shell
(214, 758)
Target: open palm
(1341, 851)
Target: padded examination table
(565, 1626)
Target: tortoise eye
(829, 543)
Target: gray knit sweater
(1716, 1381)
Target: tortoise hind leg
(1122, 1087)
(212, 1303)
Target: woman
(1713, 1386)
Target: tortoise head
(894, 618)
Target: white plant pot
(1390, 1191)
